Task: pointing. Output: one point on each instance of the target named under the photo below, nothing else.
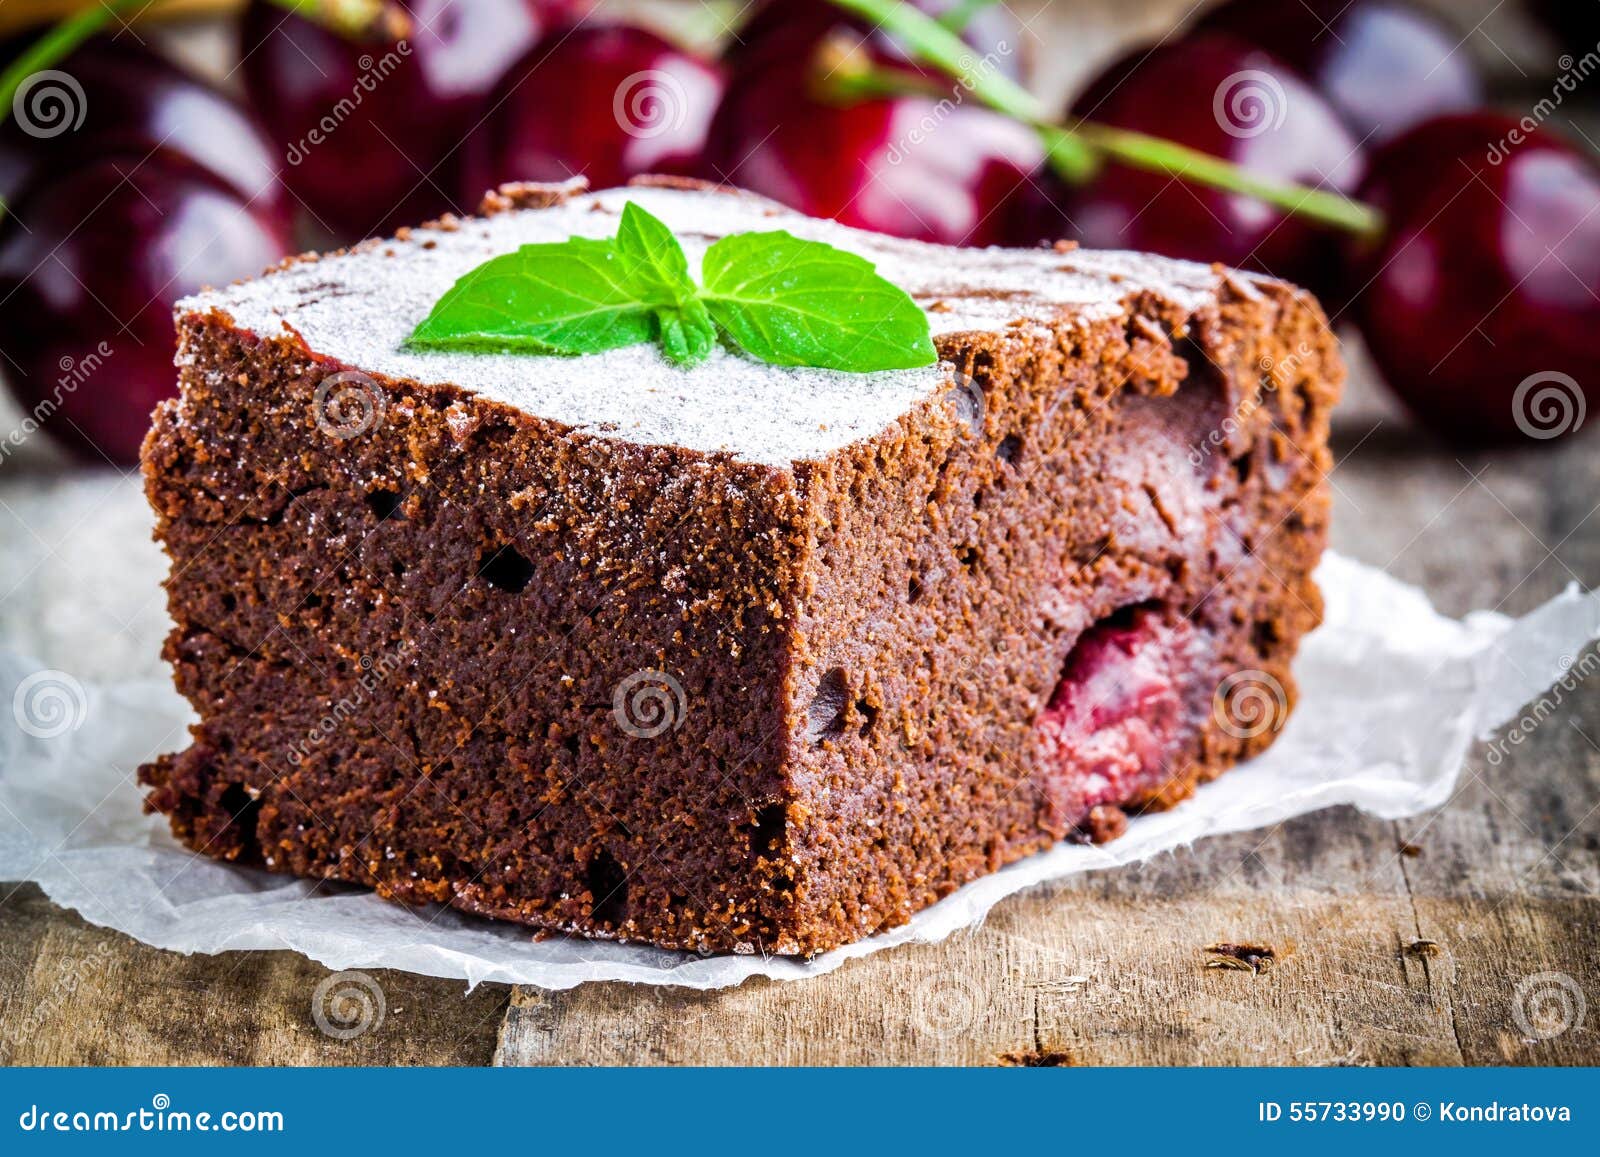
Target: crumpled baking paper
(1393, 695)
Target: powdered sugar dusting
(359, 307)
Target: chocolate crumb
(1105, 823)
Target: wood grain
(1397, 943)
(73, 994)
(1393, 943)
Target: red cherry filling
(1118, 716)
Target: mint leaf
(568, 297)
(804, 303)
(656, 262)
(781, 299)
(687, 335)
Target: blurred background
(1428, 168)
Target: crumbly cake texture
(740, 658)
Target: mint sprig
(781, 299)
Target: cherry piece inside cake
(738, 657)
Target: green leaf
(567, 297)
(804, 303)
(656, 262)
(687, 334)
(783, 300)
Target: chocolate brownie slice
(738, 658)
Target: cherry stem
(353, 19)
(51, 48)
(56, 45)
(1078, 148)
(957, 18)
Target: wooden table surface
(1415, 942)
(1392, 943)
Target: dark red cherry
(911, 166)
(1226, 98)
(606, 102)
(116, 98)
(368, 130)
(781, 32)
(1481, 301)
(1383, 65)
(792, 127)
(88, 285)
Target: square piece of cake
(737, 658)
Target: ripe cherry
(87, 290)
(783, 31)
(116, 98)
(1226, 98)
(1383, 65)
(605, 102)
(903, 165)
(918, 165)
(369, 130)
(1481, 301)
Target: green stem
(56, 45)
(1078, 149)
(50, 49)
(1163, 156)
(353, 19)
(957, 18)
(937, 45)
(347, 17)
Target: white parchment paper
(1393, 694)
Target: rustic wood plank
(1109, 968)
(1385, 956)
(1394, 943)
(1102, 971)
(74, 994)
